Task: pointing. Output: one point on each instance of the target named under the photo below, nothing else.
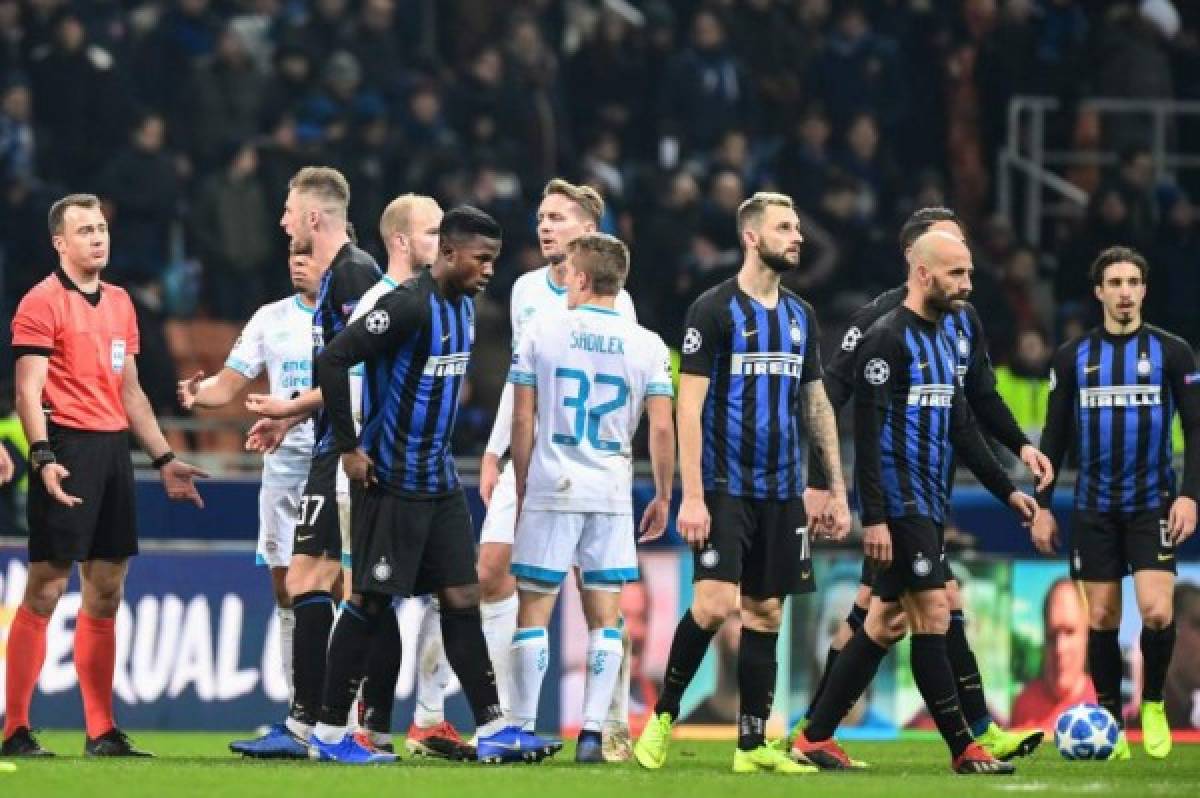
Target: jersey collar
(553, 287)
(69, 284)
(302, 306)
(598, 309)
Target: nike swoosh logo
(508, 746)
(1090, 369)
(445, 337)
(1165, 557)
(302, 538)
(923, 365)
(748, 333)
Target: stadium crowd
(188, 116)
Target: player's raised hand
(359, 467)
(1181, 521)
(268, 406)
(693, 521)
(1038, 465)
(1044, 533)
(654, 519)
(489, 475)
(266, 435)
(53, 475)
(179, 480)
(1024, 505)
(186, 390)
(877, 545)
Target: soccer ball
(1086, 731)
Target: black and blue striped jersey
(757, 360)
(972, 365)
(415, 346)
(911, 419)
(1112, 400)
(348, 277)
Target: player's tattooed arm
(821, 421)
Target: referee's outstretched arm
(178, 477)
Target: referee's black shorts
(104, 526)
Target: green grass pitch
(200, 765)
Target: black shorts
(1107, 546)
(104, 527)
(867, 577)
(317, 531)
(918, 558)
(760, 544)
(410, 547)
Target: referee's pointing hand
(179, 480)
(52, 476)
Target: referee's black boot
(113, 742)
(23, 743)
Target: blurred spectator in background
(1023, 381)
(704, 93)
(233, 229)
(226, 101)
(1175, 270)
(17, 150)
(1181, 692)
(16, 464)
(805, 163)
(143, 190)
(1028, 301)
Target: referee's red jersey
(86, 337)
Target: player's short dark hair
(1118, 255)
(604, 259)
(326, 184)
(921, 220)
(58, 211)
(465, 221)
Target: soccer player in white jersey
(582, 378)
(567, 211)
(277, 339)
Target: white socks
(618, 710)
(605, 654)
(433, 670)
(287, 631)
(331, 735)
(530, 658)
(499, 625)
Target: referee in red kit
(74, 340)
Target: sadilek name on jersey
(592, 369)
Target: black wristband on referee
(41, 454)
(162, 460)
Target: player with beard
(910, 420)
(974, 370)
(751, 365)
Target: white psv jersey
(592, 369)
(534, 293)
(278, 337)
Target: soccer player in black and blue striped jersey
(412, 530)
(910, 422)
(974, 371)
(750, 381)
(1114, 394)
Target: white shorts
(278, 512)
(548, 543)
(500, 522)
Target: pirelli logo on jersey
(931, 396)
(447, 365)
(1121, 396)
(767, 364)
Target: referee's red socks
(95, 659)
(26, 651)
